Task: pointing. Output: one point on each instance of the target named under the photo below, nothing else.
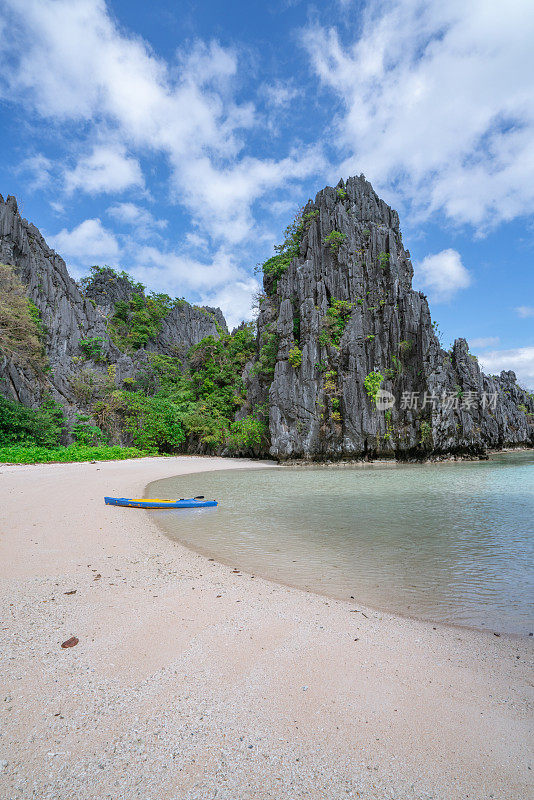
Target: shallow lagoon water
(450, 542)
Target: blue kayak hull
(158, 503)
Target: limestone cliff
(346, 332)
(70, 316)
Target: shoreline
(189, 678)
(298, 462)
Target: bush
(425, 434)
(89, 385)
(32, 454)
(372, 384)
(152, 422)
(295, 357)
(21, 328)
(85, 433)
(334, 240)
(92, 348)
(250, 433)
(383, 260)
(275, 266)
(20, 425)
(337, 317)
(138, 320)
(264, 366)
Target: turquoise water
(448, 542)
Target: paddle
(198, 497)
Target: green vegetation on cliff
(165, 410)
(136, 320)
(21, 330)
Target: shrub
(96, 272)
(330, 382)
(152, 422)
(337, 317)
(268, 354)
(341, 193)
(389, 425)
(89, 385)
(334, 240)
(372, 384)
(275, 266)
(136, 321)
(85, 433)
(383, 260)
(32, 454)
(92, 348)
(324, 338)
(295, 357)
(21, 328)
(20, 425)
(250, 433)
(425, 434)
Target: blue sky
(176, 141)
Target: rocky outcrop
(193, 322)
(70, 315)
(184, 326)
(358, 367)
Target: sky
(176, 140)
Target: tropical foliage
(21, 329)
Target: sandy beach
(191, 681)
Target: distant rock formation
(345, 327)
(69, 316)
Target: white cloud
(88, 243)
(223, 197)
(525, 311)
(442, 275)
(107, 169)
(483, 342)
(218, 280)
(195, 241)
(68, 61)
(438, 104)
(38, 170)
(520, 360)
(138, 217)
(167, 270)
(280, 94)
(235, 300)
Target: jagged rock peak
(364, 203)
(340, 320)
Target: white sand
(262, 692)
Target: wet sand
(191, 681)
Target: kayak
(157, 502)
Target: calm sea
(450, 542)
